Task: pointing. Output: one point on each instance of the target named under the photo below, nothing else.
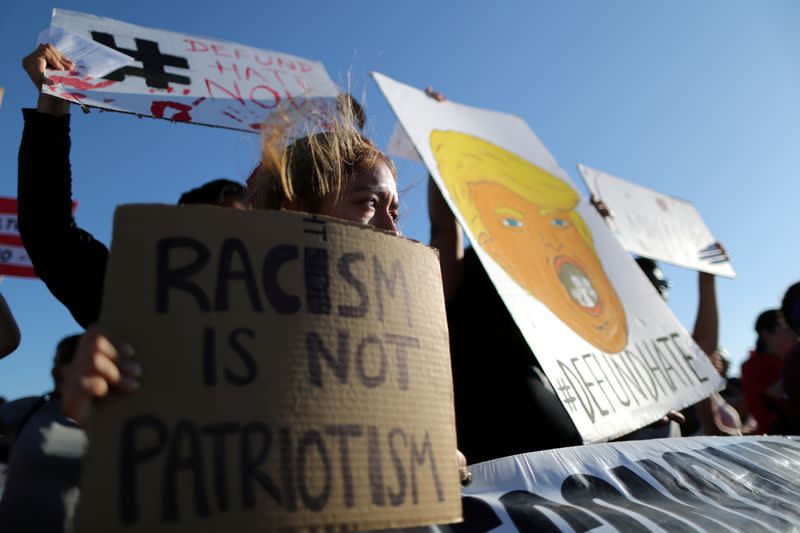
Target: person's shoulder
(13, 411)
(793, 356)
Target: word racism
(751, 485)
(238, 465)
(649, 370)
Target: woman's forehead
(377, 176)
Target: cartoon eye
(512, 222)
(559, 223)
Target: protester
(790, 308)
(44, 462)
(338, 173)
(46, 224)
(504, 403)
(9, 331)
(714, 416)
(763, 370)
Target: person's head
(774, 334)
(338, 173)
(220, 192)
(65, 352)
(525, 219)
(655, 275)
(349, 107)
(790, 307)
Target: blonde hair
(315, 166)
(464, 159)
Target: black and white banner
(683, 485)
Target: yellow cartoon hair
(465, 159)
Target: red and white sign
(193, 79)
(14, 260)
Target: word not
(252, 460)
(339, 364)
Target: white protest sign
(615, 353)
(401, 146)
(190, 79)
(657, 225)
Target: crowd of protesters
(339, 173)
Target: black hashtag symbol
(152, 60)
(565, 392)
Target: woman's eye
(511, 222)
(559, 223)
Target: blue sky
(695, 99)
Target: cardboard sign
(688, 484)
(296, 375)
(656, 225)
(612, 349)
(190, 79)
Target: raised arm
(69, 260)
(706, 325)
(448, 237)
(446, 233)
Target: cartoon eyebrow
(509, 212)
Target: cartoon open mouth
(578, 285)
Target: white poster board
(656, 225)
(193, 79)
(615, 353)
(401, 146)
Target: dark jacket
(69, 260)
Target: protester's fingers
(114, 363)
(34, 65)
(55, 59)
(436, 95)
(93, 385)
(128, 384)
(131, 372)
(104, 367)
(101, 342)
(130, 368)
(676, 416)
